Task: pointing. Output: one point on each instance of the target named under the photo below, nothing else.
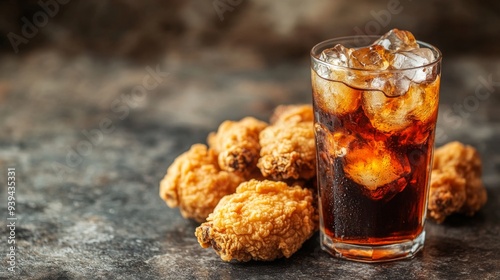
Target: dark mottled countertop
(87, 201)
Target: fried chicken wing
(237, 145)
(456, 184)
(263, 220)
(288, 151)
(195, 183)
(292, 114)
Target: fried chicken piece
(288, 151)
(456, 185)
(237, 145)
(263, 220)
(292, 114)
(447, 194)
(287, 146)
(195, 183)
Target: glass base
(370, 254)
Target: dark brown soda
(350, 214)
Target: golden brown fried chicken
(263, 220)
(288, 151)
(237, 145)
(447, 194)
(293, 114)
(456, 185)
(195, 183)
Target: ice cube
(390, 114)
(364, 80)
(428, 99)
(424, 117)
(369, 58)
(415, 134)
(339, 142)
(397, 83)
(334, 97)
(397, 40)
(376, 168)
(388, 191)
(322, 139)
(322, 70)
(412, 59)
(394, 114)
(391, 84)
(338, 55)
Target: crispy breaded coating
(263, 220)
(288, 151)
(237, 145)
(293, 114)
(447, 195)
(195, 183)
(463, 162)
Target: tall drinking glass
(374, 134)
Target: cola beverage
(375, 115)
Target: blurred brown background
(273, 30)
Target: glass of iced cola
(375, 103)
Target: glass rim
(338, 40)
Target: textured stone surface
(103, 219)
